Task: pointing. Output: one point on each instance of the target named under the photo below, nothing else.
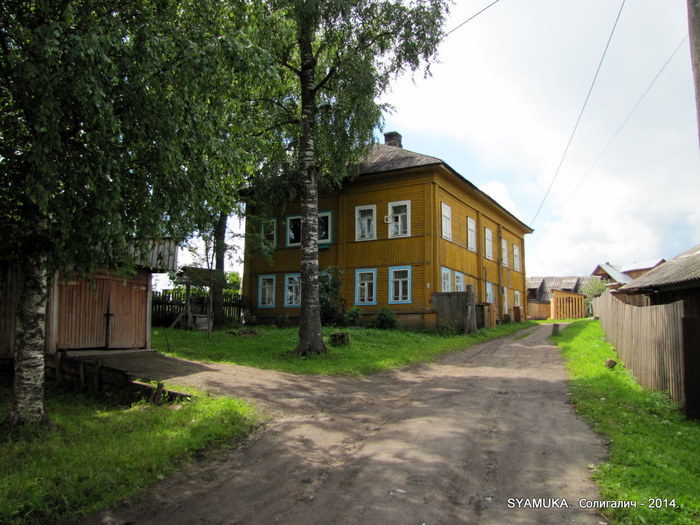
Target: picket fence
(648, 340)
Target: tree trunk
(310, 333)
(28, 401)
(217, 289)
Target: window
(266, 291)
(365, 223)
(471, 234)
(516, 293)
(504, 294)
(400, 219)
(325, 225)
(504, 251)
(516, 257)
(294, 230)
(446, 279)
(268, 233)
(446, 222)
(292, 290)
(365, 286)
(489, 243)
(489, 292)
(459, 282)
(400, 285)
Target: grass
(95, 453)
(272, 348)
(653, 449)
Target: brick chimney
(393, 138)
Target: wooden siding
(649, 341)
(425, 251)
(9, 296)
(567, 305)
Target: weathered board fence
(168, 304)
(649, 341)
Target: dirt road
(479, 437)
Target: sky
(501, 105)
(504, 98)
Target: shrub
(385, 320)
(352, 316)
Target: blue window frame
(267, 286)
(400, 285)
(366, 286)
(459, 281)
(445, 280)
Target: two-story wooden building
(407, 227)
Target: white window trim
(373, 233)
(504, 294)
(488, 241)
(459, 282)
(446, 221)
(408, 219)
(516, 257)
(504, 252)
(373, 271)
(409, 300)
(262, 278)
(445, 279)
(287, 230)
(489, 292)
(287, 277)
(329, 214)
(516, 300)
(471, 234)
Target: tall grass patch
(654, 459)
(369, 351)
(95, 453)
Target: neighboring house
(674, 280)
(407, 227)
(542, 290)
(618, 275)
(110, 312)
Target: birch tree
(117, 119)
(342, 57)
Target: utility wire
(628, 117)
(469, 19)
(578, 120)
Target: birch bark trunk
(310, 332)
(28, 401)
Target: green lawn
(95, 453)
(370, 350)
(654, 451)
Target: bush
(352, 316)
(385, 320)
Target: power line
(470, 19)
(578, 185)
(578, 120)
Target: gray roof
(683, 271)
(546, 285)
(390, 158)
(615, 272)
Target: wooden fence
(169, 303)
(567, 305)
(649, 341)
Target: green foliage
(385, 320)
(653, 449)
(353, 316)
(122, 121)
(369, 350)
(95, 453)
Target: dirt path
(451, 442)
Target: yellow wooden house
(407, 227)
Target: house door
(111, 314)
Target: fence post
(470, 321)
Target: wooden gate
(110, 313)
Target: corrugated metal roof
(546, 285)
(615, 272)
(641, 265)
(390, 158)
(682, 270)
